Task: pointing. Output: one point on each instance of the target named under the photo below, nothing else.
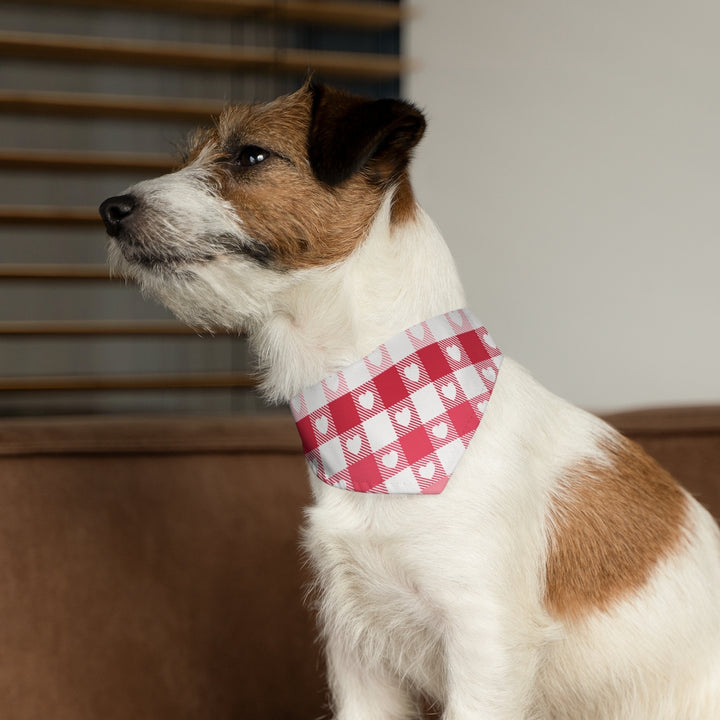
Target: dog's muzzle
(114, 211)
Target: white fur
(444, 594)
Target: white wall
(573, 163)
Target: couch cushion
(150, 569)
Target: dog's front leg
(490, 669)
(360, 692)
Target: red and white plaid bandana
(399, 420)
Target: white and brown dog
(560, 573)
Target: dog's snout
(115, 210)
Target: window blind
(96, 95)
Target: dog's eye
(251, 155)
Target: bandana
(400, 419)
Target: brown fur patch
(297, 219)
(282, 205)
(404, 205)
(611, 523)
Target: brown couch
(149, 567)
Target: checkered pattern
(399, 420)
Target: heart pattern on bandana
(400, 419)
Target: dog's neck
(402, 274)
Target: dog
(559, 572)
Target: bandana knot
(400, 419)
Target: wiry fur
(453, 597)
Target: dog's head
(270, 190)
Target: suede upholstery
(149, 568)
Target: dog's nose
(114, 210)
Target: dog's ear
(350, 133)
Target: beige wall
(573, 163)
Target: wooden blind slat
(46, 215)
(352, 14)
(95, 106)
(185, 381)
(41, 271)
(110, 328)
(72, 48)
(82, 161)
(363, 15)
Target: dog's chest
(376, 591)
